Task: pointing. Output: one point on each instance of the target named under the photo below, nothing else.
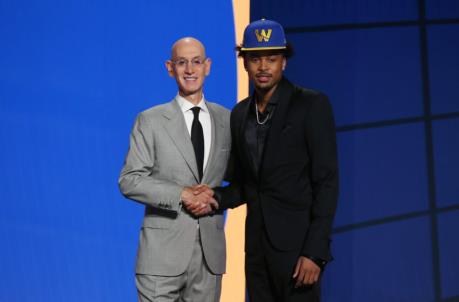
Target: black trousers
(269, 271)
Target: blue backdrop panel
(444, 67)
(437, 9)
(380, 72)
(382, 263)
(446, 161)
(74, 74)
(381, 173)
(298, 13)
(449, 249)
(368, 74)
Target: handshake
(199, 200)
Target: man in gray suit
(173, 147)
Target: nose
(263, 65)
(189, 67)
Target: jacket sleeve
(321, 142)
(136, 180)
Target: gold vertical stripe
(241, 13)
(233, 287)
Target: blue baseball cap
(263, 35)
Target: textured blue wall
(73, 76)
(391, 69)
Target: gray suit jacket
(159, 163)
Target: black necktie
(197, 138)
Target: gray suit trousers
(196, 284)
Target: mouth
(263, 77)
(189, 79)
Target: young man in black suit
(284, 166)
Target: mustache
(263, 74)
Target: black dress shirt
(256, 131)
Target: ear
(284, 63)
(170, 68)
(207, 66)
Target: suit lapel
(279, 119)
(174, 124)
(244, 145)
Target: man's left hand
(306, 272)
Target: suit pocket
(297, 154)
(157, 222)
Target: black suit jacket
(297, 184)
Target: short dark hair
(287, 52)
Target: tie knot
(196, 110)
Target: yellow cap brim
(263, 48)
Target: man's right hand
(202, 188)
(199, 200)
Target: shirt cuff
(319, 262)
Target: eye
(197, 62)
(181, 63)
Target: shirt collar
(275, 97)
(186, 105)
(273, 101)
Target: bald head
(189, 66)
(187, 42)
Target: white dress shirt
(204, 118)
